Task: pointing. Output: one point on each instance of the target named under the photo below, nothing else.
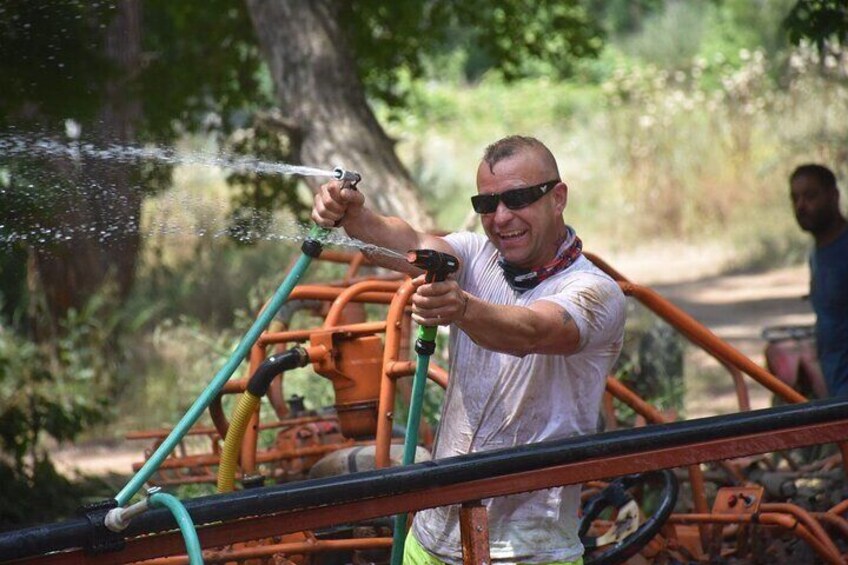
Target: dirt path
(735, 307)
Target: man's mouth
(510, 235)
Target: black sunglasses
(513, 199)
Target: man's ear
(560, 196)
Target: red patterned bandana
(522, 280)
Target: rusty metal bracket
(738, 500)
(474, 529)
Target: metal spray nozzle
(438, 265)
(351, 177)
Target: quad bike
(647, 490)
(791, 357)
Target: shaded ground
(736, 307)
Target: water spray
(437, 266)
(311, 248)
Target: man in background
(815, 201)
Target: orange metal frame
(394, 365)
(573, 473)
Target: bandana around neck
(521, 279)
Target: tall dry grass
(699, 155)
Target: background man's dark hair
(819, 172)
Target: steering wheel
(626, 537)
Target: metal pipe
(347, 295)
(805, 518)
(474, 476)
(840, 508)
(391, 349)
(789, 523)
(651, 414)
(398, 369)
(703, 337)
(365, 328)
(837, 522)
(289, 548)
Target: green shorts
(414, 554)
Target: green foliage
(255, 196)
(60, 387)
(694, 144)
(213, 280)
(44, 495)
(620, 17)
(820, 21)
(394, 41)
(651, 363)
(203, 59)
(672, 36)
(52, 65)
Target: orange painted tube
(351, 292)
(789, 523)
(291, 548)
(386, 403)
(805, 518)
(707, 340)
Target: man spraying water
(535, 328)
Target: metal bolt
(153, 490)
(390, 415)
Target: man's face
(815, 206)
(528, 237)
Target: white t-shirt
(496, 400)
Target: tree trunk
(319, 89)
(105, 198)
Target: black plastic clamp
(100, 538)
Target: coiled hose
(257, 386)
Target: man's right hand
(334, 202)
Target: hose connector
(312, 247)
(273, 366)
(117, 519)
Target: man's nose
(502, 213)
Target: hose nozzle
(437, 264)
(349, 177)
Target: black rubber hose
(273, 366)
(454, 470)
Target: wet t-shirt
(496, 400)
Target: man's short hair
(514, 144)
(822, 174)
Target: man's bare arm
(336, 206)
(543, 327)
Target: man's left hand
(438, 303)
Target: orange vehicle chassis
(264, 512)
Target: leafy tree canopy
(390, 38)
(203, 56)
(819, 21)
